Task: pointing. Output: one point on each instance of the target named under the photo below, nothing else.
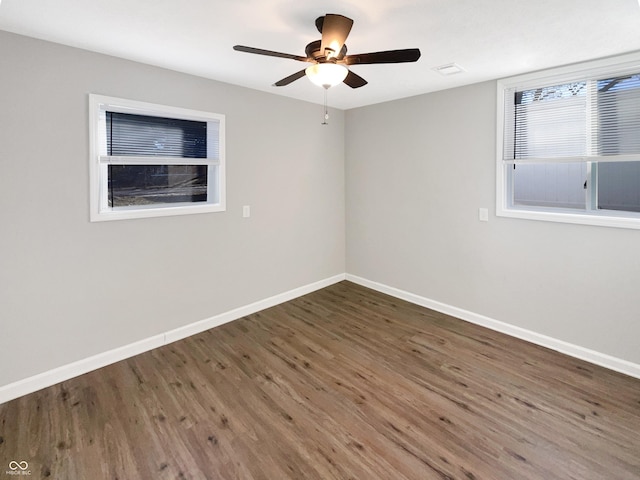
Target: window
(569, 144)
(152, 160)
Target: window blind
(593, 119)
(618, 116)
(142, 135)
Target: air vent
(449, 69)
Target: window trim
(98, 161)
(575, 72)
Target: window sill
(165, 211)
(606, 219)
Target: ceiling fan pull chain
(326, 110)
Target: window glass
(131, 185)
(619, 186)
(559, 185)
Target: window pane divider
(580, 159)
(130, 160)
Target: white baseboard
(65, 372)
(591, 356)
(201, 326)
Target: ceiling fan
(329, 58)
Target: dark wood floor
(344, 383)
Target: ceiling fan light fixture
(326, 74)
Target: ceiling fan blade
(269, 53)
(354, 81)
(342, 53)
(289, 79)
(335, 29)
(389, 56)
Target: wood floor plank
(344, 383)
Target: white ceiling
(488, 38)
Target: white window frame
(589, 216)
(99, 161)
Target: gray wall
(417, 171)
(70, 289)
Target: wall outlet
(483, 214)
